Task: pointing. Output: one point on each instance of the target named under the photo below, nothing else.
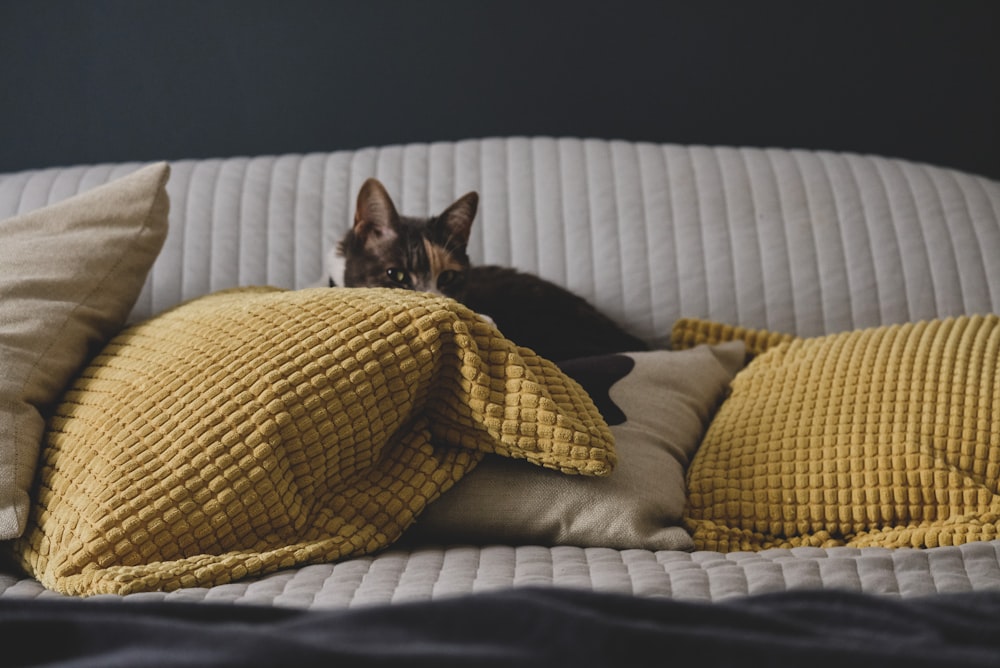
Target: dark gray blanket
(527, 627)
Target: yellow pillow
(260, 429)
(887, 436)
(690, 332)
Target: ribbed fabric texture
(398, 576)
(792, 241)
(253, 430)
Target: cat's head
(385, 249)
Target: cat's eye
(446, 278)
(398, 276)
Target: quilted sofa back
(795, 241)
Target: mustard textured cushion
(880, 437)
(690, 332)
(260, 429)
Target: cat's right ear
(458, 217)
(375, 219)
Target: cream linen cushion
(69, 275)
(658, 405)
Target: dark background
(116, 80)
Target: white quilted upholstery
(797, 241)
(398, 576)
(794, 241)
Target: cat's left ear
(458, 217)
(375, 219)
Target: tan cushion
(259, 429)
(658, 405)
(69, 275)
(887, 436)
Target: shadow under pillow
(658, 405)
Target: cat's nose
(427, 287)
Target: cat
(386, 249)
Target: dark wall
(107, 80)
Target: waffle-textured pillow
(658, 404)
(689, 332)
(69, 275)
(260, 429)
(887, 436)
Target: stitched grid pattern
(879, 437)
(690, 332)
(259, 429)
(425, 574)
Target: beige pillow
(658, 405)
(69, 275)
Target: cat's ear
(375, 218)
(458, 217)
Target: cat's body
(385, 249)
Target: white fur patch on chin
(336, 265)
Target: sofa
(809, 449)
